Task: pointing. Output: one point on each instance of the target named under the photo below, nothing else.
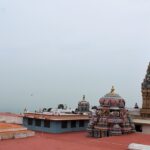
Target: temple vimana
(145, 111)
(111, 117)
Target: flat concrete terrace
(11, 118)
(6, 127)
(11, 131)
(74, 141)
(10, 114)
(57, 117)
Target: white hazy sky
(54, 51)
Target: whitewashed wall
(146, 129)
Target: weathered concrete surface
(73, 141)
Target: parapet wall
(11, 119)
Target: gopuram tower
(145, 111)
(111, 117)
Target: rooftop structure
(136, 106)
(111, 118)
(11, 131)
(11, 118)
(60, 117)
(59, 120)
(53, 123)
(83, 106)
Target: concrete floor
(73, 141)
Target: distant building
(59, 120)
(83, 106)
(58, 123)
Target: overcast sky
(54, 51)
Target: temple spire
(145, 111)
(83, 97)
(112, 90)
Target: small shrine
(83, 105)
(136, 106)
(111, 118)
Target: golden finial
(112, 90)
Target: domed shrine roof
(83, 105)
(112, 99)
(83, 101)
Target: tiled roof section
(56, 117)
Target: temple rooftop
(56, 117)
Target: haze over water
(53, 52)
